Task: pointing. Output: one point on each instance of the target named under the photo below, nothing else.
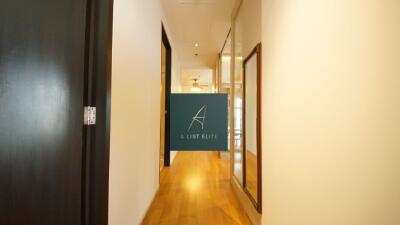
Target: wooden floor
(196, 190)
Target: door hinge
(89, 115)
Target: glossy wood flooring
(196, 190)
(251, 174)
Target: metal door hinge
(89, 115)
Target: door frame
(168, 68)
(96, 139)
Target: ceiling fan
(196, 87)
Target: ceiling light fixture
(195, 86)
(196, 45)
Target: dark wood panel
(258, 200)
(42, 47)
(168, 71)
(100, 70)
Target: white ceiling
(205, 22)
(203, 76)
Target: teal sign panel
(199, 122)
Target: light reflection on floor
(238, 166)
(196, 189)
(194, 183)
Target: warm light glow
(238, 156)
(195, 89)
(196, 44)
(228, 58)
(193, 183)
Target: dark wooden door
(42, 73)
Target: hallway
(196, 190)
(200, 112)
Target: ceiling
(206, 22)
(203, 76)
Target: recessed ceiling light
(196, 44)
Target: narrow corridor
(196, 190)
(200, 112)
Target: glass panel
(238, 100)
(225, 80)
(251, 126)
(246, 36)
(238, 134)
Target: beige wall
(135, 119)
(331, 107)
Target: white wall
(331, 107)
(135, 108)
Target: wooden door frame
(256, 202)
(168, 69)
(96, 139)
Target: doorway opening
(165, 93)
